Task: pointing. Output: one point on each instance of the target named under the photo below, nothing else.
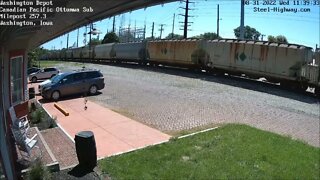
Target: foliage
(94, 41)
(229, 152)
(208, 36)
(272, 38)
(39, 172)
(249, 33)
(35, 55)
(42, 119)
(281, 39)
(110, 38)
(278, 39)
(37, 116)
(174, 36)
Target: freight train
(292, 65)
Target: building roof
(67, 21)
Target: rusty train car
(290, 64)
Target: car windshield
(57, 78)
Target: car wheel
(55, 95)
(52, 75)
(34, 79)
(93, 89)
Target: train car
(129, 52)
(177, 52)
(103, 51)
(86, 53)
(311, 72)
(76, 53)
(55, 55)
(317, 58)
(271, 60)
(69, 54)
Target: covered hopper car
(290, 64)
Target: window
(94, 74)
(50, 69)
(77, 76)
(16, 79)
(68, 79)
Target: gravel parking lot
(173, 100)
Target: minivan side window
(67, 79)
(93, 74)
(77, 76)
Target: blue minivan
(69, 83)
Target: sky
(298, 27)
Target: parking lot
(174, 100)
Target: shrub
(37, 116)
(38, 172)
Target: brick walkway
(61, 146)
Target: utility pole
(161, 29)
(185, 29)
(174, 17)
(113, 25)
(67, 40)
(129, 31)
(78, 38)
(90, 32)
(144, 31)
(186, 16)
(135, 29)
(242, 20)
(218, 19)
(152, 30)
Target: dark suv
(83, 81)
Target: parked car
(45, 73)
(32, 70)
(69, 83)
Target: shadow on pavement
(80, 171)
(44, 101)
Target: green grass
(232, 151)
(59, 64)
(44, 64)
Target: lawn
(59, 64)
(44, 64)
(232, 151)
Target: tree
(272, 38)
(278, 39)
(110, 38)
(207, 36)
(35, 55)
(94, 41)
(210, 36)
(281, 39)
(175, 36)
(249, 33)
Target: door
(65, 85)
(79, 84)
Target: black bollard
(86, 149)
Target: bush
(38, 172)
(37, 116)
(42, 119)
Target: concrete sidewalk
(113, 132)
